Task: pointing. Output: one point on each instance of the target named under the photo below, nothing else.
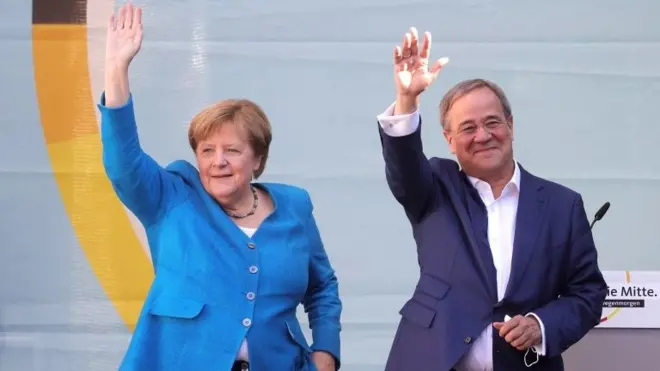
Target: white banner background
(633, 300)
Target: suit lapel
(531, 207)
(480, 245)
(463, 209)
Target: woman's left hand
(323, 361)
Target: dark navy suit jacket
(554, 270)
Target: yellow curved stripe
(74, 146)
(615, 311)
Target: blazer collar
(514, 183)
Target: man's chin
(488, 153)
(486, 166)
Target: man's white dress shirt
(501, 231)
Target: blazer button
(253, 269)
(247, 322)
(250, 295)
(468, 340)
(252, 245)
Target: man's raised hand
(412, 74)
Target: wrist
(324, 358)
(113, 67)
(406, 104)
(117, 90)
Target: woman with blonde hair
(233, 257)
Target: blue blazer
(201, 303)
(554, 270)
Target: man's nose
(482, 135)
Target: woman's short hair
(250, 119)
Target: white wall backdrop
(583, 78)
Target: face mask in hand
(534, 353)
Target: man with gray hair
(509, 277)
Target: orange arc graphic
(73, 141)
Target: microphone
(598, 216)
(600, 213)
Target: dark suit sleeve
(408, 172)
(580, 304)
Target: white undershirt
(243, 351)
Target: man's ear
(450, 141)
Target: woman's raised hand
(124, 36)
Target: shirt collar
(514, 181)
